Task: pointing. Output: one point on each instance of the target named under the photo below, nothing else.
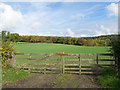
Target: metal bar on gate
(19, 53)
(62, 54)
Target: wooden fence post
(45, 66)
(30, 56)
(29, 61)
(97, 59)
(12, 61)
(79, 65)
(63, 62)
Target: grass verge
(108, 79)
(13, 74)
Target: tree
(4, 36)
(54, 39)
(12, 37)
(65, 40)
(34, 39)
(108, 42)
(115, 50)
(42, 39)
(102, 43)
(74, 41)
(80, 41)
(96, 44)
(48, 39)
(6, 50)
(69, 40)
(60, 40)
(90, 42)
(8, 36)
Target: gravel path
(54, 81)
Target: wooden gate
(61, 63)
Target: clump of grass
(13, 74)
(109, 79)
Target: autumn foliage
(6, 52)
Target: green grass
(13, 74)
(53, 48)
(108, 79)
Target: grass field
(53, 48)
(59, 48)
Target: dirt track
(54, 81)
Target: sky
(74, 19)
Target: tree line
(85, 41)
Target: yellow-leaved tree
(6, 52)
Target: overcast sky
(75, 19)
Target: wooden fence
(81, 64)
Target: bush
(115, 46)
(7, 49)
(115, 50)
(108, 79)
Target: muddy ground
(36, 80)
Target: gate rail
(77, 68)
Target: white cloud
(82, 35)
(70, 32)
(112, 9)
(9, 18)
(102, 30)
(24, 24)
(105, 29)
(35, 26)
